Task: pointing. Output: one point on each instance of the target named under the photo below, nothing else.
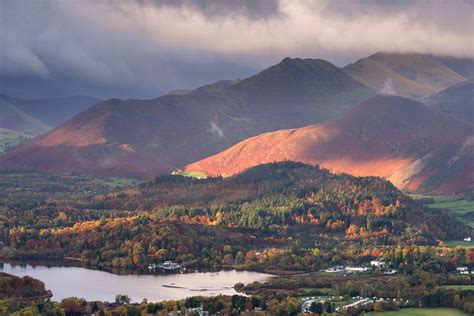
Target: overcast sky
(144, 48)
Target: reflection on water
(69, 280)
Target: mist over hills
(408, 75)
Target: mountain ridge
(384, 136)
(144, 138)
(52, 111)
(410, 75)
(456, 101)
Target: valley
(287, 218)
(316, 160)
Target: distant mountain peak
(412, 75)
(173, 130)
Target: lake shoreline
(93, 284)
(75, 261)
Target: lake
(66, 281)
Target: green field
(121, 182)
(459, 287)
(455, 243)
(191, 174)
(422, 312)
(323, 291)
(452, 203)
(463, 209)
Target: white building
(338, 269)
(357, 269)
(462, 270)
(378, 263)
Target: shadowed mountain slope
(456, 101)
(143, 138)
(14, 119)
(16, 126)
(386, 136)
(463, 66)
(52, 111)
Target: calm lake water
(66, 281)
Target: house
(357, 269)
(462, 270)
(305, 308)
(169, 265)
(338, 269)
(199, 310)
(378, 263)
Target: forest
(281, 216)
(286, 218)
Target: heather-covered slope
(144, 138)
(456, 101)
(386, 136)
(408, 75)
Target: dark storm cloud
(146, 47)
(454, 15)
(252, 9)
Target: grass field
(324, 291)
(121, 182)
(455, 243)
(192, 174)
(459, 287)
(422, 312)
(459, 207)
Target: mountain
(10, 139)
(215, 87)
(408, 75)
(52, 111)
(456, 101)
(387, 136)
(14, 119)
(17, 126)
(463, 66)
(143, 138)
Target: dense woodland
(284, 216)
(287, 218)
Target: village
(374, 264)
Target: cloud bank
(147, 47)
